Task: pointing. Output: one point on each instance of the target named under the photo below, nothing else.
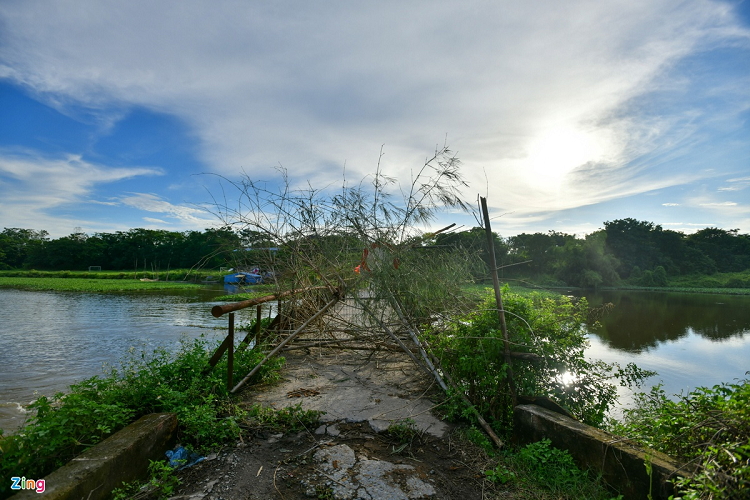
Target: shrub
(708, 427)
(471, 349)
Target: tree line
(626, 250)
(637, 252)
(122, 250)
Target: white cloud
(37, 191)
(155, 221)
(719, 204)
(670, 204)
(539, 97)
(153, 203)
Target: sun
(557, 151)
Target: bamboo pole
(415, 338)
(283, 343)
(218, 310)
(498, 298)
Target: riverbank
(88, 284)
(174, 275)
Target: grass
(257, 291)
(88, 285)
(537, 470)
(190, 275)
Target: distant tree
(585, 263)
(539, 248)
(632, 243)
(728, 249)
(474, 241)
(17, 243)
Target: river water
(690, 339)
(49, 340)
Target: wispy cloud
(39, 190)
(153, 203)
(155, 221)
(719, 204)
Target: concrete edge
(124, 456)
(620, 461)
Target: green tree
(17, 243)
(728, 249)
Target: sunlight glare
(558, 151)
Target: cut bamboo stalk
(218, 310)
(498, 299)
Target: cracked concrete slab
(359, 478)
(353, 389)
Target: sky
(142, 114)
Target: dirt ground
(350, 455)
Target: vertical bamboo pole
(257, 325)
(230, 353)
(498, 297)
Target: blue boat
(243, 278)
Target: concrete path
(381, 389)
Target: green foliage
(88, 285)
(471, 349)
(66, 424)
(403, 431)
(543, 465)
(709, 427)
(288, 419)
(162, 484)
(480, 439)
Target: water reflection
(690, 340)
(642, 320)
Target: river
(690, 339)
(49, 340)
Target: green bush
(471, 349)
(708, 427)
(66, 424)
(551, 469)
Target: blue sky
(115, 115)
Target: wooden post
(257, 325)
(498, 298)
(230, 353)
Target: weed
(709, 427)
(289, 419)
(324, 492)
(480, 439)
(403, 431)
(162, 484)
(500, 474)
(552, 469)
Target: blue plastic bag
(180, 457)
